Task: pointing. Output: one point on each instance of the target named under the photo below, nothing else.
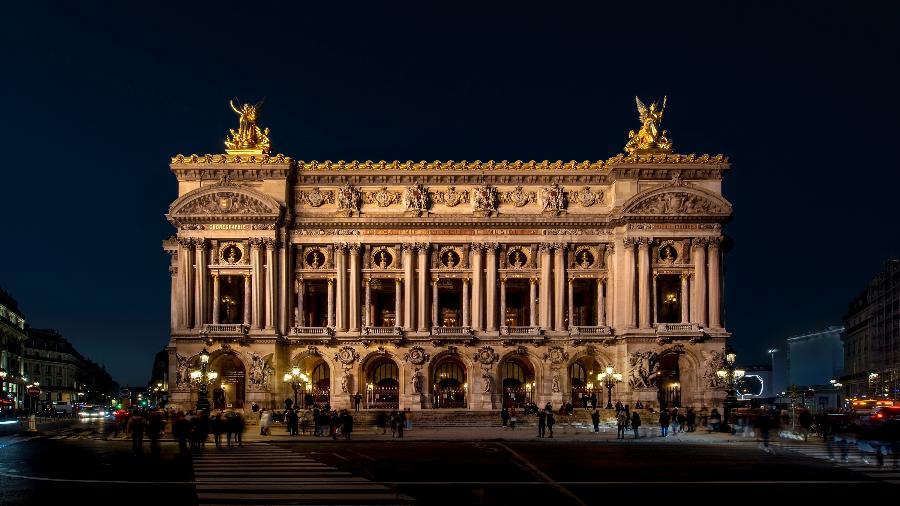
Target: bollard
(32, 423)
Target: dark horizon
(97, 101)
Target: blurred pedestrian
(542, 423)
(593, 400)
(621, 423)
(690, 419)
(513, 418)
(217, 425)
(381, 421)
(265, 422)
(401, 423)
(357, 400)
(136, 425)
(595, 418)
(347, 425)
(635, 423)
(181, 429)
(504, 417)
(664, 420)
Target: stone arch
(365, 369)
(224, 200)
(537, 374)
(689, 372)
(232, 367)
(676, 198)
(308, 361)
(439, 397)
(593, 362)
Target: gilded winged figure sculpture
(248, 135)
(649, 138)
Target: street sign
(34, 391)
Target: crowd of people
(191, 429)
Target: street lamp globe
(739, 373)
(195, 374)
(3, 373)
(731, 357)
(212, 376)
(204, 356)
(295, 371)
(287, 377)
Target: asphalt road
(76, 463)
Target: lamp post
(873, 376)
(731, 375)
(609, 378)
(203, 378)
(296, 379)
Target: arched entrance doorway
(383, 384)
(517, 380)
(449, 384)
(318, 389)
(582, 381)
(229, 391)
(668, 381)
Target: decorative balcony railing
(382, 331)
(677, 328)
(451, 331)
(589, 330)
(312, 331)
(520, 331)
(225, 329)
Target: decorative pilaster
(532, 309)
(354, 288)
(422, 278)
(399, 316)
(215, 299)
(630, 302)
(173, 295)
(571, 304)
(490, 287)
(465, 303)
(601, 303)
(248, 298)
(544, 298)
(643, 283)
(698, 306)
(654, 301)
(200, 286)
(255, 278)
(409, 288)
(477, 252)
(368, 313)
(434, 303)
(285, 307)
(502, 302)
(185, 285)
(559, 287)
(715, 313)
(685, 314)
(271, 293)
(610, 286)
(340, 303)
(331, 321)
(301, 306)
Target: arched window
(386, 373)
(450, 371)
(513, 370)
(321, 376)
(578, 375)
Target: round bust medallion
(584, 259)
(450, 259)
(516, 259)
(382, 259)
(315, 259)
(232, 254)
(668, 253)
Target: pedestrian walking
(621, 423)
(763, 424)
(664, 419)
(682, 421)
(381, 421)
(513, 418)
(595, 417)
(542, 423)
(265, 422)
(550, 422)
(393, 422)
(504, 417)
(593, 400)
(181, 429)
(346, 425)
(357, 399)
(618, 407)
(335, 424)
(635, 423)
(715, 420)
(691, 419)
(217, 426)
(234, 427)
(401, 423)
(293, 422)
(136, 425)
(154, 429)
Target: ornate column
(643, 283)
(248, 298)
(685, 315)
(698, 306)
(270, 284)
(422, 278)
(285, 303)
(465, 303)
(654, 298)
(559, 287)
(477, 252)
(601, 303)
(434, 303)
(331, 321)
(301, 309)
(368, 320)
(200, 285)
(399, 317)
(409, 289)
(715, 311)
(610, 285)
(185, 288)
(490, 288)
(630, 304)
(173, 297)
(215, 300)
(544, 298)
(571, 304)
(502, 302)
(340, 286)
(532, 309)
(354, 288)
(255, 278)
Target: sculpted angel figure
(417, 381)
(638, 371)
(348, 198)
(555, 382)
(487, 381)
(649, 137)
(415, 198)
(183, 370)
(553, 198)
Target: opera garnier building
(427, 285)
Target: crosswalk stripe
(259, 473)
(856, 460)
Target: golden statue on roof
(649, 139)
(249, 138)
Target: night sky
(804, 101)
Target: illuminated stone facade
(448, 284)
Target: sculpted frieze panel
(316, 197)
(518, 197)
(383, 197)
(450, 197)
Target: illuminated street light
(730, 375)
(609, 378)
(296, 379)
(203, 378)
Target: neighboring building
(872, 338)
(469, 285)
(12, 342)
(63, 373)
(159, 377)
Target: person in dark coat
(293, 422)
(504, 417)
(217, 426)
(664, 423)
(234, 426)
(550, 422)
(154, 431)
(691, 419)
(401, 423)
(542, 423)
(381, 421)
(346, 425)
(181, 429)
(357, 399)
(595, 417)
(635, 423)
(593, 400)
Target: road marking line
(543, 475)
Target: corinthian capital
(546, 246)
(421, 246)
(270, 243)
(478, 246)
(699, 242)
(354, 248)
(629, 242)
(185, 242)
(714, 242)
(341, 246)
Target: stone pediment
(224, 201)
(676, 199)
